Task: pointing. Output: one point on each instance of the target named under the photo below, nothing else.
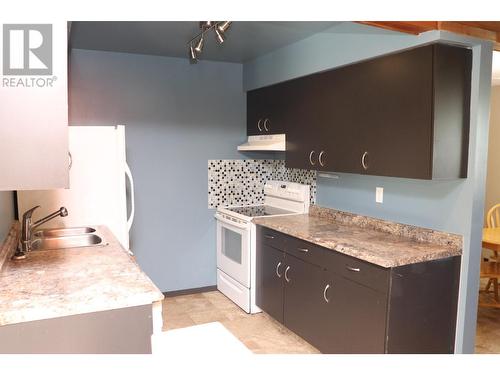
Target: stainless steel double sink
(66, 238)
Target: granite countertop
(389, 246)
(55, 283)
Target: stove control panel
(287, 190)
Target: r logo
(27, 49)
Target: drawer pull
(325, 291)
(353, 269)
(277, 270)
(266, 122)
(258, 125)
(269, 236)
(303, 250)
(286, 274)
(363, 160)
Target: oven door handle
(229, 222)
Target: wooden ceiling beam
(482, 30)
(415, 27)
(476, 32)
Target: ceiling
(245, 40)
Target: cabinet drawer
(306, 251)
(271, 238)
(362, 272)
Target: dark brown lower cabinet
(333, 313)
(269, 283)
(303, 298)
(423, 305)
(353, 318)
(341, 304)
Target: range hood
(271, 142)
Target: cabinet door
(34, 116)
(256, 103)
(396, 122)
(354, 319)
(303, 299)
(269, 282)
(278, 99)
(266, 109)
(337, 117)
(302, 148)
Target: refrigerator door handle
(130, 220)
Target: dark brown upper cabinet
(400, 115)
(267, 110)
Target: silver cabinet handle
(266, 122)
(286, 274)
(303, 250)
(363, 160)
(70, 160)
(277, 270)
(311, 158)
(269, 236)
(320, 158)
(353, 269)
(258, 124)
(325, 291)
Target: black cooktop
(255, 211)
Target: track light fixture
(193, 59)
(219, 36)
(199, 45)
(224, 26)
(206, 24)
(219, 27)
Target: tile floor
(488, 325)
(259, 332)
(262, 334)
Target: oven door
(233, 248)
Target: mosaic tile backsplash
(241, 182)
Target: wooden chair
(493, 221)
(493, 216)
(491, 270)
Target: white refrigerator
(98, 184)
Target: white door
(233, 249)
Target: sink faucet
(28, 226)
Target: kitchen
(183, 123)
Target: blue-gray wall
(454, 206)
(177, 117)
(6, 213)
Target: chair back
(493, 217)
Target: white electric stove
(236, 238)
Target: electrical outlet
(379, 194)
